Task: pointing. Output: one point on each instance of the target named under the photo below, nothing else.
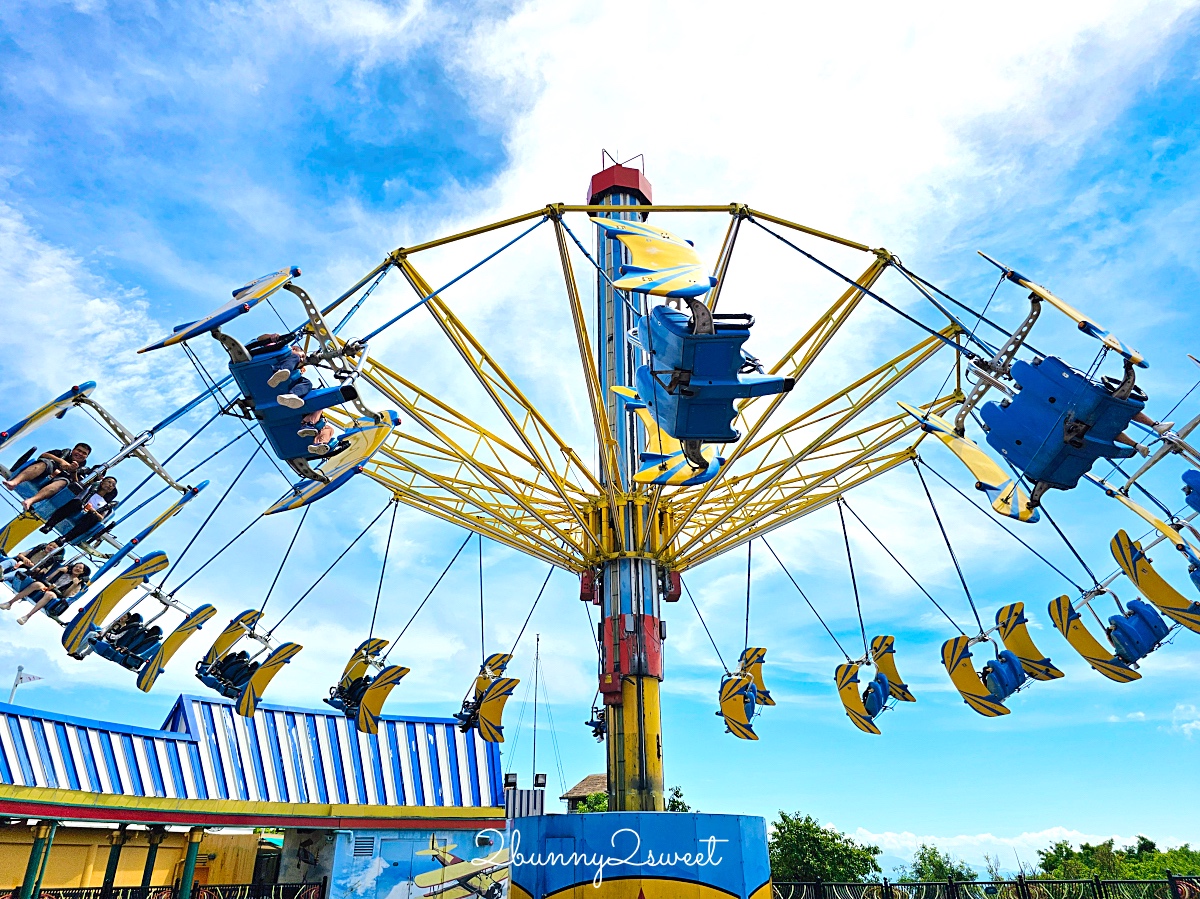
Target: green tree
(593, 802)
(801, 849)
(675, 801)
(930, 865)
(1141, 861)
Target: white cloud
(1185, 719)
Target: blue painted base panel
(624, 855)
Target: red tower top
(619, 179)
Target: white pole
(16, 683)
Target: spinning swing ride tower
(523, 485)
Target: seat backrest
(1005, 675)
(876, 694)
(1135, 634)
(1191, 483)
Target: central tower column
(631, 630)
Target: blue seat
(1059, 423)
(1136, 633)
(693, 379)
(47, 507)
(1004, 675)
(876, 695)
(1191, 488)
(280, 423)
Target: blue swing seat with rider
(279, 423)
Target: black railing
(1020, 888)
(207, 891)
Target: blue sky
(155, 156)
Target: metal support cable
(167, 460)
(1070, 545)
(191, 470)
(866, 290)
(383, 567)
(749, 544)
(946, 537)
(482, 638)
(209, 517)
(623, 294)
(853, 579)
(911, 576)
(283, 561)
(704, 625)
(521, 633)
(317, 582)
(345, 318)
(804, 596)
(452, 281)
(1000, 524)
(213, 557)
(445, 571)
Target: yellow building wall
(79, 857)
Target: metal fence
(1020, 888)
(218, 891)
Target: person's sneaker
(278, 377)
(290, 400)
(319, 449)
(307, 432)
(1142, 449)
(1163, 427)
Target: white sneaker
(1142, 449)
(307, 432)
(319, 449)
(278, 377)
(290, 400)
(1163, 427)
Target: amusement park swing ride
(694, 459)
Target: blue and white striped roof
(282, 754)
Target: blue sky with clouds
(155, 156)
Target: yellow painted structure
(79, 854)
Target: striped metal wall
(282, 754)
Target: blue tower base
(640, 855)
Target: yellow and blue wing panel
(663, 461)
(1085, 324)
(365, 439)
(883, 654)
(1136, 565)
(360, 660)
(496, 663)
(956, 656)
(232, 633)
(253, 691)
(660, 263)
(1007, 498)
(750, 662)
(1014, 631)
(17, 530)
(244, 299)
(732, 697)
(371, 706)
(167, 649)
(491, 708)
(846, 678)
(93, 614)
(1069, 624)
(39, 416)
